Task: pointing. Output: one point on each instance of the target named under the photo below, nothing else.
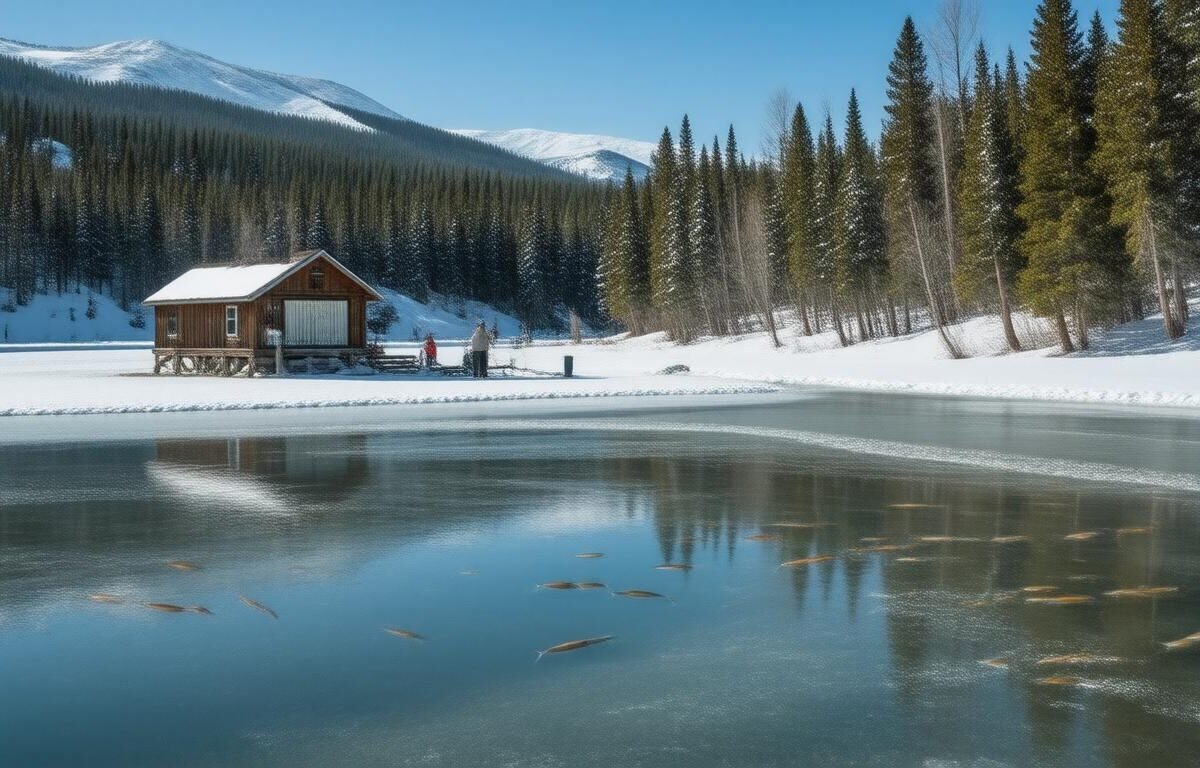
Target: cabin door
(316, 323)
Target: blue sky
(605, 66)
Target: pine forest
(1067, 186)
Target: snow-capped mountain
(597, 157)
(153, 62)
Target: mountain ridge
(165, 65)
(596, 156)
(162, 64)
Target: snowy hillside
(444, 317)
(63, 318)
(153, 62)
(597, 157)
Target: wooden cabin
(224, 320)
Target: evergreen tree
(776, 234)
(276, 244)
(412, 273)
(797, 193)
(826, 182)
(661, 181)
(1138, 120)
(1054, 173)
(1014, 104)
(394, 247)
(705, 243)
(669, 249)
(909, 172)
(988, 198)
(532, 307)
(1183, 29)
(149, 267)
(860, 262)
(318, 228)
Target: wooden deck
(226, 361)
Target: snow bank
(118, 381)
(1131, 364)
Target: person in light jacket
(480, 341)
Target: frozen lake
(935, 515)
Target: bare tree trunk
(755, 263)
(737, 243)
(947, 198)
(772, 329)
(1010, 334)
(1164, 303)
(802, 310)
(702, 295)
(1181, 304)
(837, 319)
(1064, 335)
(934, 312)
(1081, 325)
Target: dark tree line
(1071, 189)
(154, 182)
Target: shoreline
(116, 381)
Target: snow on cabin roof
(216, 283)
(239, 282)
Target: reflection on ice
(901, 633)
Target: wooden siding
(202, 326)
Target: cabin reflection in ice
(258, 469)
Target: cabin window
(316, 279)
(173, 325)
(231, 320)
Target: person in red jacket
(430, 351)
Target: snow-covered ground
(1131, 364)
(118, 381)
